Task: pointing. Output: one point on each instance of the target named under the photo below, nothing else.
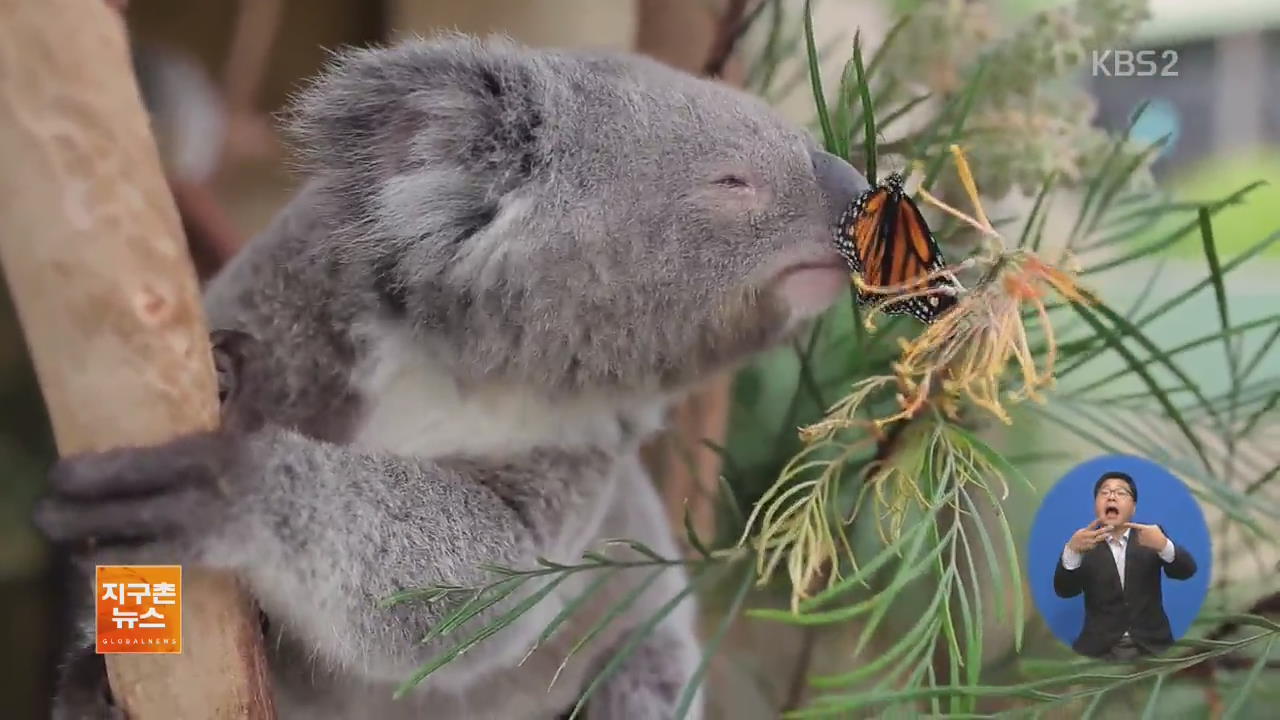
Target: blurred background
(212, 74)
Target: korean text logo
(139, 609)
(1135, 63)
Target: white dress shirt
(1072, 559)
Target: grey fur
(574, 238)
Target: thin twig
(1207, 670)
(255, 32)
(1266, 605)
(732, 26)
(800, 673)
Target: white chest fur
(416, 408)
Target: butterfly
(884, 238)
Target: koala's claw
(126, 472)
(170, 491)
(134, 494)
(242, 377)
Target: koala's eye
(732, 181)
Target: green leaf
(815, 78)
(1118, 345)
(1219, 291)
(1149, 711)
(1093, 706)
(1169, 239)
(730, 495)
(787, 429)
(907, 574)
(1262, 481)
(914, 536)
(482, 600)
(692, 534)
(897, 113)
(1095, 184)
(1147, 289)
(1045, 189)
(1178, 300)
(572, 607)
(614, 612)
(922, 633)
(889, 38)
(868, 111)
(993, 564)
(1088, 682)
(1261, 412)
(760, 75)
(1178, 350)
(1015, 574)
(966, 105)
(1126, 174)
(638, 547)
(841, 122)
(633, 641)
(484, 633)
(428, 594)
(1228, 499)
(971, 618)
(1266, 346)
(713, 643)
(1242, 695)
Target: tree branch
(732, 26)
(93, 254)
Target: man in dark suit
(1117, 564)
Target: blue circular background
(1162, 500)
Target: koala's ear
(452, 104)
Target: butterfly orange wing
(886, 240)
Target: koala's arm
(320, 531)
(346, 529)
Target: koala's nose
(839, 181)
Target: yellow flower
(962, 357)
(966, 352)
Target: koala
(445, 351)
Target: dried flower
(965, 354)
(796, 523)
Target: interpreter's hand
(1086, 537)
(1149, 535)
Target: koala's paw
(150, 504)
(157, 504)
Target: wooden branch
(250, 133)
(734, 23)
(212, 237)
(257, 22)
(688, 35)
(94, 257)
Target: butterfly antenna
(985, 229)
(981, 223)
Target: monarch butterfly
(884, 238)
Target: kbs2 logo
(1135, 63)
(139, 609)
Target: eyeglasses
(1115, 492)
